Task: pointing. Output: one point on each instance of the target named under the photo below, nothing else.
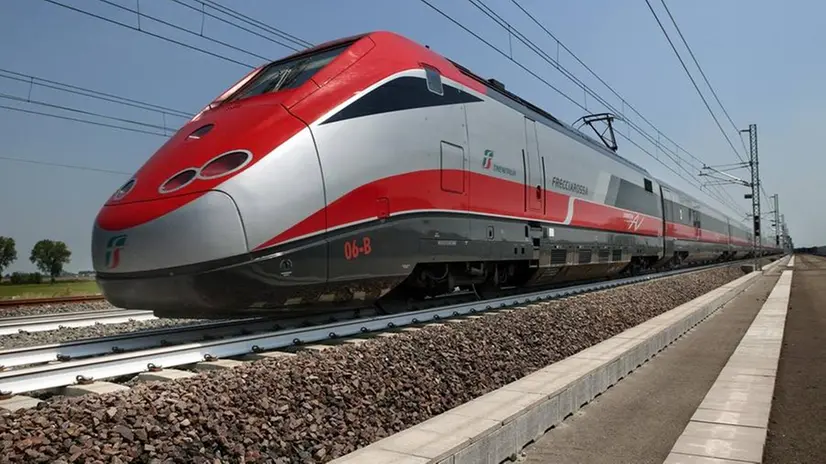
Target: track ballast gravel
(65, 334)
(55, 308)
(317, 406)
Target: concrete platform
(731, 423)
(639, 419)
(797, 423)
(496, 426)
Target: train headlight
(225, 164)
(178, 181)
(124, 189)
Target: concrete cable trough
(114, 365)
(496, 426)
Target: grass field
(46, 290)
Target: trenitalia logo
(113, 247)
(487, 163)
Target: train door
(534, 178)
(695, 222)
(729, 244)
(672, 216)
(667, 215)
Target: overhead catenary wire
(731, 203)
(87, 92)
(223, 20)
(62, 165)
(33, 81)
(84, 112)
(55, 85)
(600, 79)
(693, 82)
(713, 92)
(624, 103)
(152, 34)
(563, 94)
(542, 54)
(249, 20)
(261, 24)
(702, 73)
(297, 43)
(183, 29)
(95, 123)
(213, 4)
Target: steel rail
(43, 322)
(165, 336)
(122, 364)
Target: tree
(8, 253)
(50, 256)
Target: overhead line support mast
(720, 177)
(754, 166)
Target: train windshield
(287, 74)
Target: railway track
(166, 336)
(42, 322)
(105, 366)
(55, 300)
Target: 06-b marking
(353, 250)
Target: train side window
(434, 80)
(648, 186)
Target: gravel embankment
(66, 334)
(320, 405)
(55, 308)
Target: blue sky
(762, 58)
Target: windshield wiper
(296, 71)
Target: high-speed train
(370, 168)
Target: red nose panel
(255, 127)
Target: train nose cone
(204, 229)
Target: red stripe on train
(603, 217)
(422, 191)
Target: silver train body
(390, 171)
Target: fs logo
(113, 248)
(487, 161)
